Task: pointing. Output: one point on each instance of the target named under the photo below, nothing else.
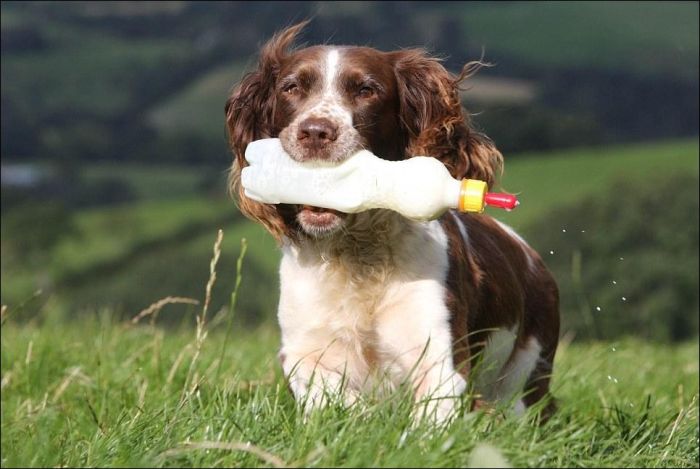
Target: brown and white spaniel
(375, 297)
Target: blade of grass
(232, 304)
(202, 318)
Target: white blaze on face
(330, 105)
(332, 60)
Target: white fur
(332, 68)
(515, 373)
(331, 315)
(331, 103)
(503, 371)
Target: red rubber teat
(506, 201)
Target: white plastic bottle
(420, 188)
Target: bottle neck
(453, 189)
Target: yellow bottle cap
(471, 195)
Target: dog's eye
(291, 89)
(365, 92)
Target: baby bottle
(420, 188)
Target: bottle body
(420, 188)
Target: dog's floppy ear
(433, 119)
(249, 117)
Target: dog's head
(326, 102)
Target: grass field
(101, 393)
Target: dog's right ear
(250, 116)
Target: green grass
(646, 37)
(101, 393)
(545, 181)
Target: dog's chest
(336, 299)
(345, 299)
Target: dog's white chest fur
(350, 316)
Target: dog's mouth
(319, 221)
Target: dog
(375, 297)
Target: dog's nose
(316, 132)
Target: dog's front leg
(416, 335)
(315, 378)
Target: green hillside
(647, 37)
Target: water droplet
(563, 230)
(614, 282)
(583, 231)
(624, 298)
(622, 258)
(613, 349)
(551, 252)
(597, 308)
